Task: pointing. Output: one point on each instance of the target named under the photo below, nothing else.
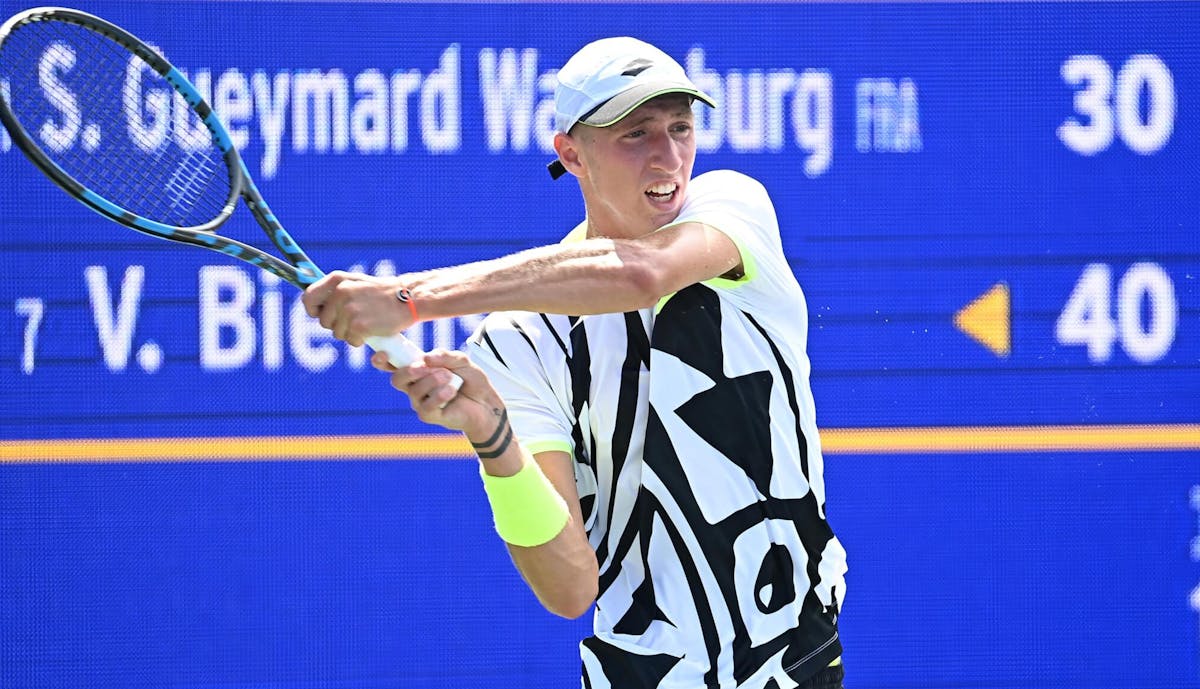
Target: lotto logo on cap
(607, 79)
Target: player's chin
(663, 210)
(660, 217)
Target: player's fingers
(435, 406)
(446, 358)
(404, 377)
(425, 391)
(354, 339)
(400, 380)
(328, 312)
(337, 322)
(445, 393)
(379, 360)
(436, 393)
(316, 294)
(459, 364)
(346, 332)
(344, 315)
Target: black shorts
(828, 678)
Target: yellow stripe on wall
(324, 447)
(972, 439)
(939, 439)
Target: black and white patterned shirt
(697, 461)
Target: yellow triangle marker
(988, 321)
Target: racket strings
(188, 182)
(108, 120)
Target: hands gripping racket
(101, 113)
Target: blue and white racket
(80, 103)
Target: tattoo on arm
(501, 426)
(492, 454)
(503, 414)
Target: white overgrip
(402, 352)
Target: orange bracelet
(406, 297)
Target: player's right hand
(355, 306)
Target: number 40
(1087, 317)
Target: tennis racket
(106, 117)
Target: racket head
(109, 119)
(94, 108)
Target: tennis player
(639, 399)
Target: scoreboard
(993, 210)
(991, 207)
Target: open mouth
(663, 191)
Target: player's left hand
(472, 408)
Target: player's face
(635, 173)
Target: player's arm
(591, 276)
(586, 277)
(562, 573)
(534, 500)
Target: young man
(639, 399)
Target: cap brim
(614, 109)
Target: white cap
(607, 79)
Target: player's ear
(567, 148)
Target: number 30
(1105, 113)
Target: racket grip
(402, 352)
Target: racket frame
(298, 269)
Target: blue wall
(917, 156)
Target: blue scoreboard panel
(993, 209)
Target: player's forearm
(596, 276)
(536, 511)
(562, 573)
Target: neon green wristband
(528, 511)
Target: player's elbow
(645, 282)
(570, 596)
(571, 604)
